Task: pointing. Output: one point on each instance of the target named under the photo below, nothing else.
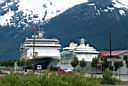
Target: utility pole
(33, 62)
(34, 33)
(110, 48)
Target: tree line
(10, 63)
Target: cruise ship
(82, 51)
(46, 51)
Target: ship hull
(44, 62)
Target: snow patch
(110, 8)
(4, 20)
(38, 7)
(98, 12)
(2, 1)
(122, 12)
(120, 3)
(92, 4)
(105, 10)
(10, 3)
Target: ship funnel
(82, 41)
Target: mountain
(18, 16)
(120, 3)
(93, 20)
(28, 8)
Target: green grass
(48, 79)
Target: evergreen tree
(94, 62)
(82, 63)
(105, 64)
(75, 62)
(118, 65)
(126, 60)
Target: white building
(43, 48)
(83, 51)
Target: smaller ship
(82, 51)
(44, 52)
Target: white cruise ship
(46, 51)
(82, 51)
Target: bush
(107, 77)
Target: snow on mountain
(120, 3)
(28, 8)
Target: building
(46, 51)
(117, 55)
(82, 51)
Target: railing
(41, 43)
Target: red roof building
(113, 53)
(119, 54)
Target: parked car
(64, 71)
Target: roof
(113, 53)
